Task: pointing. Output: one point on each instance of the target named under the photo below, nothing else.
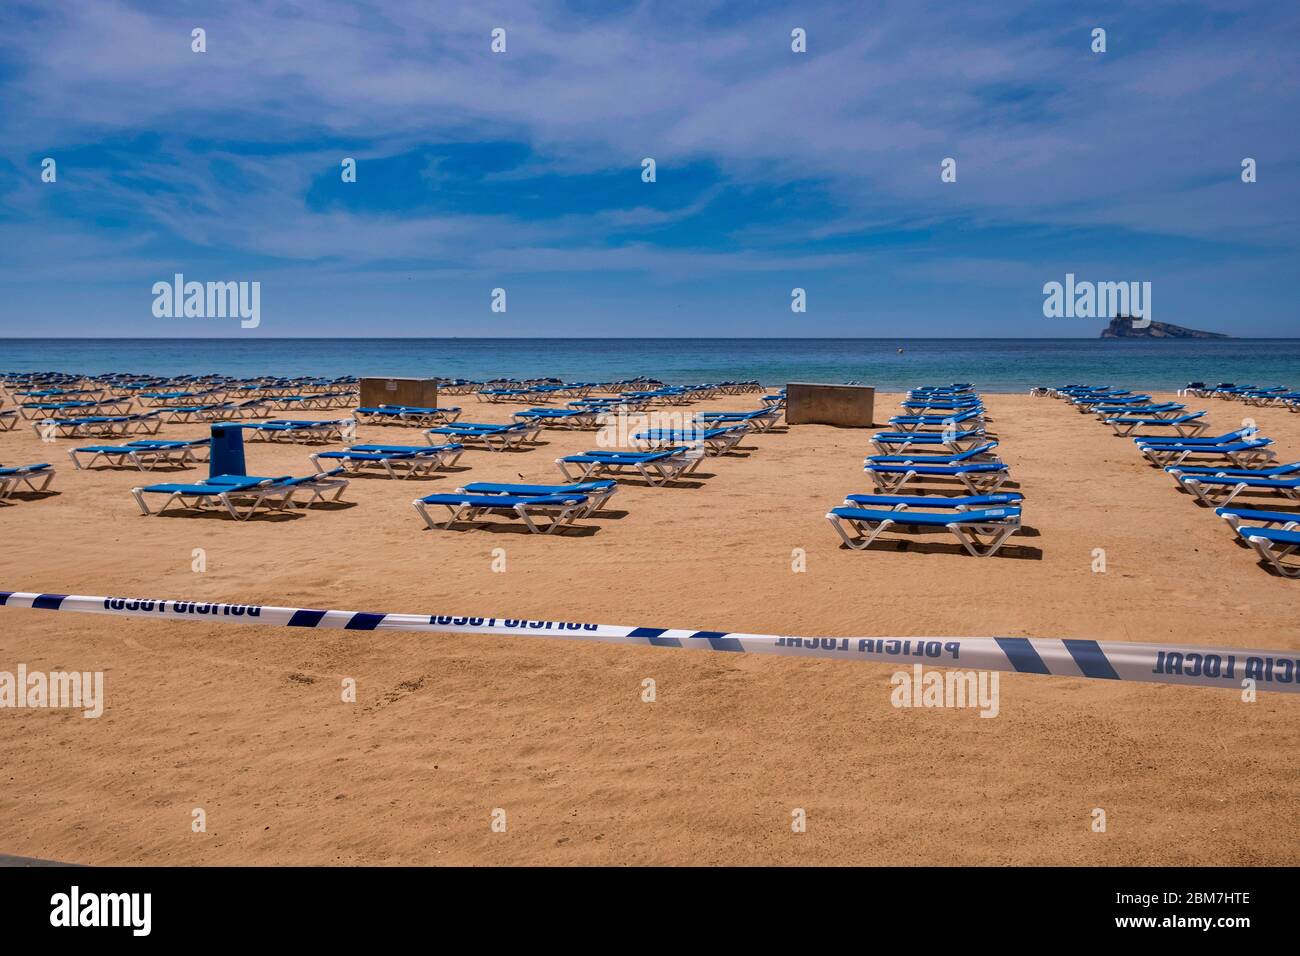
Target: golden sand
(248, 723)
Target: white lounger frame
(560, 515)
(9, 483)
(979, 482)
(981, 540)
(661, 472)
(1272, 552)
(396, 466)
(144, 458)
(255, 497)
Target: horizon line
(666, 338)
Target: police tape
(1060, 657)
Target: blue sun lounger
(981, 533)
(655, 467)
(247, 492)
(300, 430)
(1242, 454)
(912, 423)
(560, 417)
(316, 486)
(36, 411)
(492, 437)
(1288, 470)
(714, 441)
(396, 461)
(11, 478)
(1089, 403)
(1227, 438)
(1162, 410)
(147, 423)
(962, 503)
(955, 441)
(1187, 426)
(217, 412)
(407, 415)
(321, 400)
(596, 492)
(1272, 545)
(1220, 490)
(561, 510)
(1264, 397)
(144, 455)
(982, 452)
(8, 419)
(759, 420)
(221, 491)
(1236, 517)
(981, 478)
(936, 407)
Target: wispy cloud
(768, 161)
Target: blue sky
(522, 170)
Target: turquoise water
(994, 364)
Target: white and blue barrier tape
(1152, 663)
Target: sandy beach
(248, 723)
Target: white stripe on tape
(1062, 657)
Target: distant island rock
(1121, 327)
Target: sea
(995, 365)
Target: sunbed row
(149, 423)
(945, 424)
(1214, 469)
(1261, 396)
(663, 455)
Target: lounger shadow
(1018, 552)
(500, 527)
(14, 496)
(412, 479)
(222, 514)
(158, 469)
(332, 504)
(636, 481)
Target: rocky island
(1122, 327)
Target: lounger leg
(664, 477)
(457, 513)
(423, 510)
(1236, 490)
(867, 534)
(1274, 557)
(835, 523)
(1197, 488)
(888, 483)
(969, 536)
(48, 475)
(522, 512)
